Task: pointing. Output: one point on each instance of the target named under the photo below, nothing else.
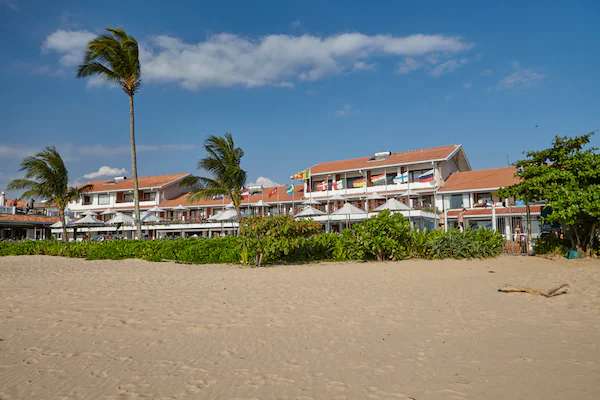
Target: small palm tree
(226, 178)
(46, 176)
(115, 57)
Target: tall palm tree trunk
(63, 221)
(136, 194)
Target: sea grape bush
(281, 239)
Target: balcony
(356, 192)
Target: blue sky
(299, 82)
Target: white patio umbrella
(260, 203)
(107, 212)
(337, 197)
(309, 211)
(121, 219)
(229, 205)
(155, 209)
(148, 217)
(88, 220)
(393, 205)
(180, 207)
(225, 215)
(58, 224)
(348, 209)
(89, 212)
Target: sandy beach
(76, 329)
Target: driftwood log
(557, 291)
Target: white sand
(75, 329)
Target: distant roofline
(457, 148)
(177, 177)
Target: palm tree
(227, 178)
(46, 176)
(115, 57)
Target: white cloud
(230, 60)
(264, 182)
(520, 77)
(344, 111)
(447, 66)
(225, 59)
(69, 44)
(105, 171)
(408, 65)
(363, 66)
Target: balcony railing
(349, 192)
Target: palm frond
(114, 56)
(222, 163)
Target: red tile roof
(27, 219)
(492, 178)
(487, 211)
(269, 195)
(145, 182)
(406, 157)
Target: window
(127, 197)
(86, 199)
(148, 196)
(103, 199)
(456, 201)
(482, 199)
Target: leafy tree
(47, 177)
(567, 177)
(273, 238)
(386, 236)
(115, 57)
(227, 178)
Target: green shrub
(472, 243)
(551, 245)
(384, 237)
(193, 251)
(279, 238)
(283, 240)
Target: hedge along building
(418, 183)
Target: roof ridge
(422, 149)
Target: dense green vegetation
(281, 239)
(566, 176)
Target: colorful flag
(302, 175)
(402, 178)
(337, 185)
(298, 175)
(322, 186)
(426, 176)
(358, 183)
(378, 179)
(273, 191)
(290, 190)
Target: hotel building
(434, 188)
